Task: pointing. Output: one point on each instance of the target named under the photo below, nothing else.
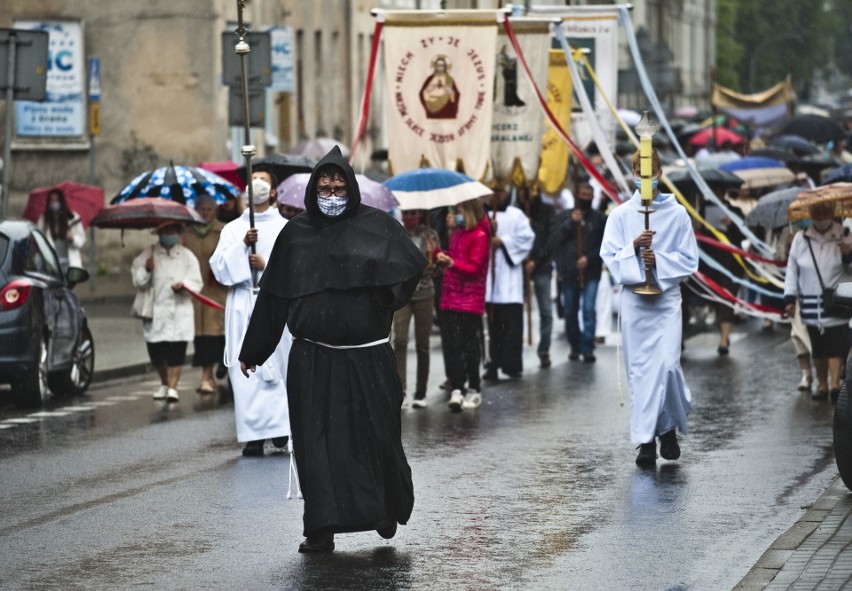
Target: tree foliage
(770, 39)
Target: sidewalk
(815, 553)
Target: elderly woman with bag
(819, 258)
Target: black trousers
(461, 338)
(506, 337)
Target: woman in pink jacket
(463, 301)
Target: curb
(773, 560)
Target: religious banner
(553, 169)
(762, 109)
(518, 121)
(594, 29)
(440, 79)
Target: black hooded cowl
(362, 247)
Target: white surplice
(506, 286)
(651, 325)
(260, 402)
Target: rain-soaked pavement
(535, 490)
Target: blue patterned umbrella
(182, 184)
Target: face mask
(55, 206)
(332, 206)
(655, 182)
(260, 191)
(459, 219)
(821, 226)
(584, 204)
(169, 240)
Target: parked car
(842, 426)
(45, 343)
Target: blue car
(46, 347)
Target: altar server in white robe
(511, 242)
(260, 402)
(651, 324)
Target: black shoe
(490, 375)
(280, 442)
(544, 360)
(322, 543)
(647, 457)
(722, 350)
(819, 395)
(253, 448)
(387, 532)
(574, 356)
(833, 394)
(589, 358)
(669, 448)
(221, 371)
(446, 386)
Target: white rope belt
(363, 346)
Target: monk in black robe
(336, 275)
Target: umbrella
(318, 147)
(281, 165)
(629, 117)
(292, 192)
(771, 209)
(776, 153)
(722, 136)
(144, 212)
(182, 184)
(84, 200)
(794, 142)
(814, 128)
(717, 159)
(839, 175)
(427, 188)
(759, 172)
(226, 169)
(838, 193)
(712, 176)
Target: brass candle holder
(646, 130)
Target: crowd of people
(319, 303)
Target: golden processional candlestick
(646, 130)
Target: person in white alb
(260, 402)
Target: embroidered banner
(553, 169)
(440, 79)
(518, 122)
(595, 29)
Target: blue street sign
(94, 79)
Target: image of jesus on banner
(439, 94)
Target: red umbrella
(144, 212)
(723, 135)
(84, 200)
(225, 169)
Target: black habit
(336, 282)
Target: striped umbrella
(181, 184)
(427, 188)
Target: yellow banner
(553, 170)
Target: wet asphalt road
(535, 490)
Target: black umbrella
(281, 165)
(814, 128)
(839, 175)
(771, 209)
(795, 143)
(784, 156)
(711, 176)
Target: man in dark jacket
(539, 264)
(578, 271)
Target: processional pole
(646, 130)
(242, 49)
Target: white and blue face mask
(332, 206)
(655, 182)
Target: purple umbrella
(291, 192)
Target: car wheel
(843, 432)
(31, 389)
(75, 380)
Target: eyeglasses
(329, 191)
